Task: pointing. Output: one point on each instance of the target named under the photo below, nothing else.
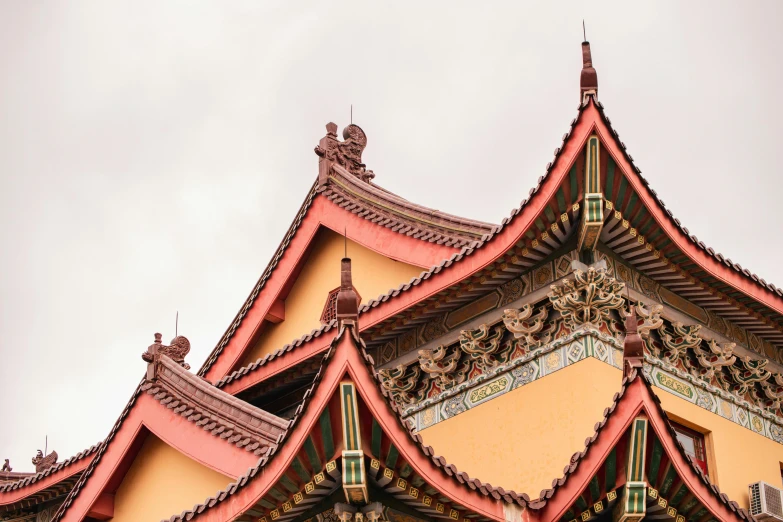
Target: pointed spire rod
(584, 31)
(588, 81)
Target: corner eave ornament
(42, 462)
(176, 351)
(347, 153)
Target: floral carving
(483, 344)
(443, 366)
(400, 382)
(588, 298)
(527, 327)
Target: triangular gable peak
(23, 491)
(187, 414)
(615, 206)
(345, 201)
(634, 467)
(350, 452)
(529, 239)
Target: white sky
(153, 154)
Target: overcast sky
(152, 154)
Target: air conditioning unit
(766, 502)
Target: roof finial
(584, 31)
(347, 305)
(588, 82)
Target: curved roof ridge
(695, 240)
(35, 477)
(173, 387)
(213, 409)
(378, 191)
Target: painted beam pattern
(593, 214)
(354, 476)
(288, 506)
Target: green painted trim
(289, 484)
(610, 166)
(580, 504)
(655, 463)
(300, 469)
(637, 454)
(377, 434)
(391, 458)
(351, 437)
(668, 481)
(327, 435)
(595, 489)
(277, 495)
(561, 204)
(610, 467)
(312, 454)
(679, 495)
(574, 186)
(268, 505)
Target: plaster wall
(523, 439)
(162, 482)
(373, 275)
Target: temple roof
(348, 359)
(727, 295)
(23, 490)
(393, 220)
(169, 390)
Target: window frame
(700, 443)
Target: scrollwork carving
(677, 345)
(400, 382)
(483, 344)
(443, 366)
(527, 327)
(712, 360)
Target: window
(693, 442)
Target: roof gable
(186, 413)
(336, 211)
(394, 459)
(302, 305)
(634, 444)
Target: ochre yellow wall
(162, 482)
(741, 457)
(522, 440)
(373, 275)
